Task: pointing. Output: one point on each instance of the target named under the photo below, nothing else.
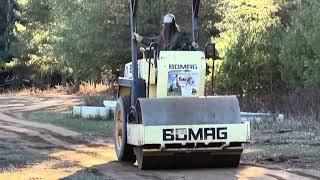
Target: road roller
(163, 117)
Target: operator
(171, 38)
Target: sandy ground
(30, 150)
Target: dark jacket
(179, 42)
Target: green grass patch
(65, 119)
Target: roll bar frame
(133, 21)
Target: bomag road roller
(163, 118)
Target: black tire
(123, 150)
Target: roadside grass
(65, 119)
(95, 99)
(33, 91)
(293, 143)
(104, 89)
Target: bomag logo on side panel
(183, 134)
(183, 66)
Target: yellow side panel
(144, 70)
(124, 91)
(153, 91)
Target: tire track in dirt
(47, 141)
(60, 139)
(34, 139)
(11, 118)
(45, 127)
(65, 152)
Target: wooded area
(268, 46)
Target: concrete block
(92, 112)
(259, 117)
(110, 104)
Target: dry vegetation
(91, 94)
(291, 143)
(303, 105)
(94, 96)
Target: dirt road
(30, 150)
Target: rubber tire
(124, 153)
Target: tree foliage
(7, 18)
(34, 43)
(80, 37)
(264, 46)
(247, 45)
(300, 52)
(271, 50)
(249, 60)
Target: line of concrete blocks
(107, 112)
(91, 112)
(259, 117)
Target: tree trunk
(7, 41)
(76, 87)
(63, 80)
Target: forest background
(269, 50)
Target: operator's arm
(178, 42)
(148, 40)
(181, 42)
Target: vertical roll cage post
(133, 22)
(134, 57)
(210, 53)
(195, 21)
(155, 48)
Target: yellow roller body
(177, 126)
(171, 132)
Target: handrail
(155, 47)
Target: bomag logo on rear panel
(183, 134)
(183, 66)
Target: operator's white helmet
(169, 18)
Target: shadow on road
(117, 170)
